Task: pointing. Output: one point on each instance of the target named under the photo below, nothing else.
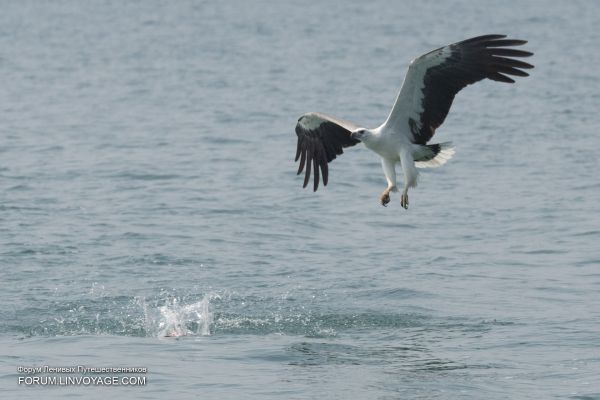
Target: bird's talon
(384, 199)
(404, 201)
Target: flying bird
(429, 87)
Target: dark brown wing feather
(321, 139)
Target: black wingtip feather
(511, 63)
(302, 161)
(508, 52)
(298, 148)
(316, 173)
(325, 171)
(496, 76)
(505, 42)
(308, 168)
(483, 38)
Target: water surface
(148, 189)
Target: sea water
(150, 214)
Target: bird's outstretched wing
(433, 80)
(320, 139)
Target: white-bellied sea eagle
(429, 87)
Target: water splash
(174, 319)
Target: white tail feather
(446, 153)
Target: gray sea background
(147, 187)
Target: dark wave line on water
(413, 357)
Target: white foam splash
(175, 320)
